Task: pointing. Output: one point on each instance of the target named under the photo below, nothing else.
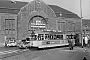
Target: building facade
(18, 22)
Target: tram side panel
(35, 43)
(49, 43)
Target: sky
(71, 5)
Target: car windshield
(27, 39)
(23, 40)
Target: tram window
(67, 36)
(34, 37)
(9, 38)
(13, 38)
(51, 36)
(70, 36)
(46, 36)
(28, 39)
(73, 36)
(40, 37)
(60, 37)
(55, 37)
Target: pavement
(10, 51)
(62, 53)
(7, 48)
(65, 54)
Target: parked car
(24, 43)
(10, 43)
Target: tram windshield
(40, 36)
(70, 36)
(33, 37)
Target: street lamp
(60, 14)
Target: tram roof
(47, 32)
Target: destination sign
(38, 24)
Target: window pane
(6, 24)
(6, 31)
(10, 26)
(3, 32)
(10, 32)
(13, 32)
(13, 24)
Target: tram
(44, 39)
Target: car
(24, 43)
(10, 43)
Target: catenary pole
(81, 22)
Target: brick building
(17, 19)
